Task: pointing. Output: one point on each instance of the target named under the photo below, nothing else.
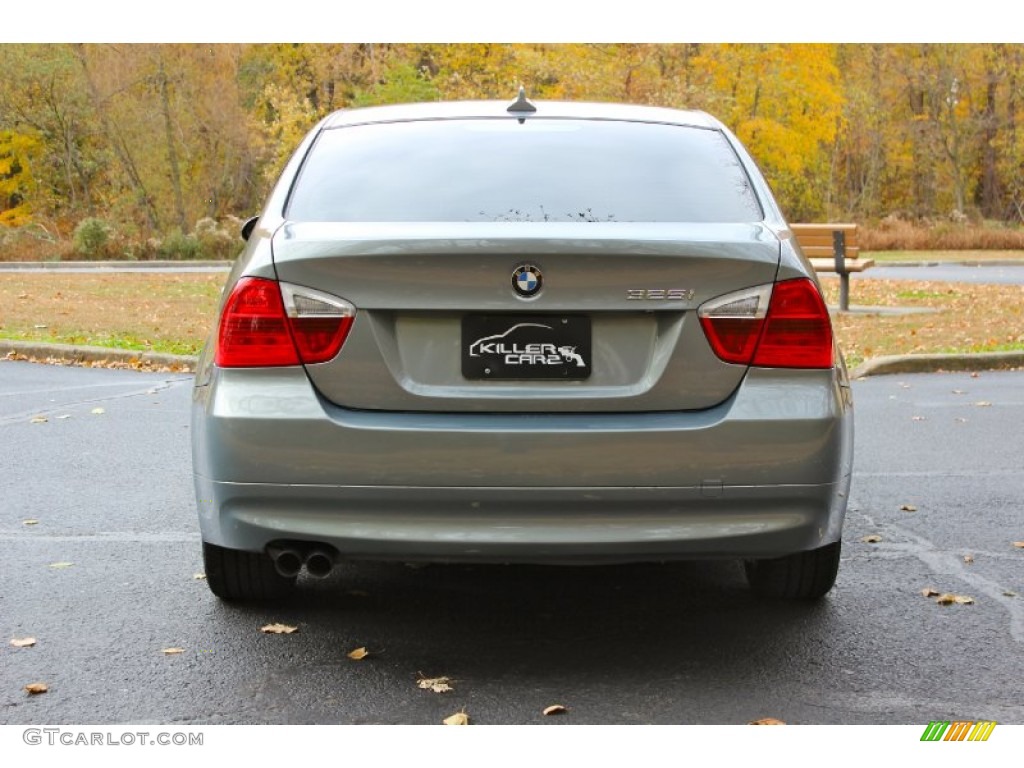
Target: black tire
(236, 575)
(800, 576)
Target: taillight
(266, 324)
(781, 326)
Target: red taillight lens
(781, 326)
(797, 331)
(254, 328)
(266, 324)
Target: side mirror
(249, 226)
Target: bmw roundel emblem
(527, 280)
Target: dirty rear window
(539, 170)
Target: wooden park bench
(833, 248)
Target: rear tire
(236, 575)
(800, 576)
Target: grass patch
(142, 312)
(970, 318)
(174, 312)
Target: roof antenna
(522, 105)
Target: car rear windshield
(535, 170)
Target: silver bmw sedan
(526, 333)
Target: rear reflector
(781, 326)
(267, 324)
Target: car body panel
(414, 282)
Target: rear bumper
(765, 473)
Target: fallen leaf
(874, 538)
(358, 654)
(767, 721)
(39, 327)
(459, 718)
(30, 522)
(961, 420)
(23, 642)
(1009, 593)
(968, 559)
(983, 404)
(172, 651)
(975, 375)
(1019, 544)
(278, 629)
(61, 565)
(908, 508)
(904, 385)
(35, 688)
(949, 599)
(918, 418)
(38, 420)
(555, 709)
(930, 592)
(98, 411)
(64, 416)
(199, 576)
(959, 392)
(435, 684)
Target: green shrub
(92, 238)
(180, 247)
(218, 241)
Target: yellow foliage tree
(17, 151)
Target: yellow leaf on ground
(30, 522)
(23, 642)
(983, 404)
(908, 508)
(555, 709)
(358, 654)
(949, 599)
(767, 721)
(172, 651)
(929, 592)
(1019, 544)
(459, 718)
(61, 565)
(199, 576)
(38, 420)
(435, 684)
(968, 559)
(874, 538)
(98, 411)
(33, 688)
(278, 629)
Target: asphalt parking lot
(104, 580)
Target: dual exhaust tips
(288, 561)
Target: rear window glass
(538, 170)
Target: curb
(113, 266)
(978, 361)
(71, 354)
(967, 263)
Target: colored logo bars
(958, 730)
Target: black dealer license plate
(526, 347)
